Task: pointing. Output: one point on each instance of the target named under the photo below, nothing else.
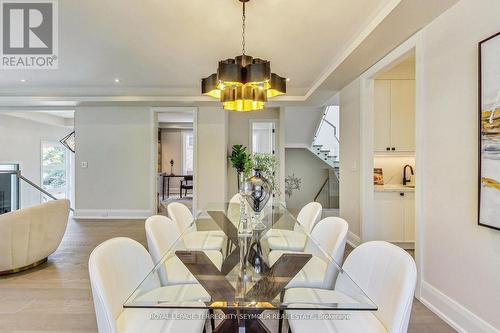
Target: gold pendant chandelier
(243, 83)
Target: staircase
(325, 146)
(326, 156)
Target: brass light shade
(243, 83)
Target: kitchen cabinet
(394, 115)
(394, 217)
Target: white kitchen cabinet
(394, 115)
(382, 115)
(409, 216)
(394, 217)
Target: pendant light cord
(243, 18)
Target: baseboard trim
(453, 313)
(353, 239)
(129, 214)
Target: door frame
(153, 151)
(414, 43)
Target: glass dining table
(246, 289)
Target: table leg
(168, 187)
(162, 188)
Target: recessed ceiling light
(117, 80)
(23, 80)
(287, 79)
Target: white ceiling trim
(63, 101)
(381, 15)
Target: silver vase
(257, 191)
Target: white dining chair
(329, 235)
(162, 236)
(295, 240)
(194, 239)
(385, 272)
(116, 268)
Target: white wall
(301, 124)
(116, 144)
(350, 156)
(460, 266)
(239, 133)
(20, 142)
(310, 169)
(211, 175)
(462, 259)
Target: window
(263, 137)
(55, 170)
(187, 153)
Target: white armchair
(116, 268)
(162, 235)
(29, 235)
(385, 272)
(295, 240)
(194, 239)
(330, 234)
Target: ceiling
(65, 114)
(167, 46)
(160, 49)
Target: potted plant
(240, 160)
(266, 165)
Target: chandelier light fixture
(243, 83)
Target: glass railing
(328, 135)
(326, 145)
(17, 191)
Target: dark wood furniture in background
(186, 184)
(164, 175)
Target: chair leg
(280, 318)
(212, 320)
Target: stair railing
(325, 183)
(18, 174)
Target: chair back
(161, 235)
(116, 267)
(388, 276)
(31, 234)
(309, 215)
(235, 199)
(330, 234)
(181, 215)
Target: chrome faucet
(407, 180)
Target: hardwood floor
(56, 297)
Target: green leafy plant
(240, 160)
(267, 164)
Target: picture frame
(489, 132)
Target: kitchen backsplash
(392, 167)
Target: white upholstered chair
(162, 234)
(116, 268)
(295, 240)
(385, 272)
(330, 234)
(193, 239)
(29, 235)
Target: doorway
(389, 142)
(175, 157)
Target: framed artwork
(489, 132)
(378, 176)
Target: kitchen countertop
(393, 188)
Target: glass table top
(245, 274)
